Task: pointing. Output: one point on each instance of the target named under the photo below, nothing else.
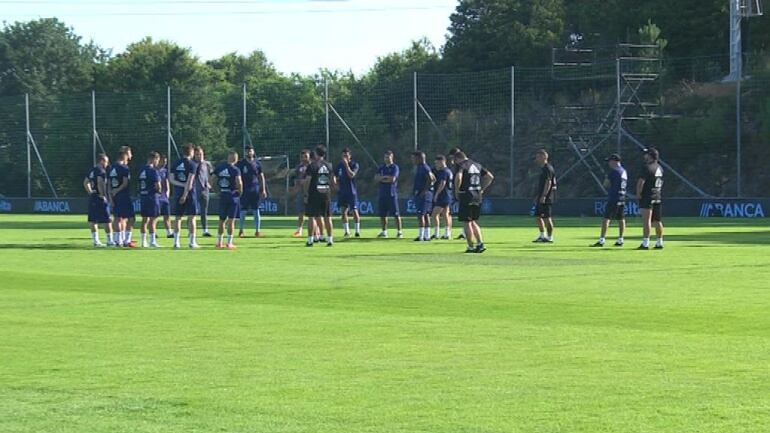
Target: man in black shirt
(470, 183)
(649, 190)
(544, 196)
(318, 188)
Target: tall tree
(487, 34)
(44, 57)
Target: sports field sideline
(387, 335)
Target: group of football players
(183, 188)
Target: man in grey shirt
(203, 187)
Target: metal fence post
(415, 109)
(168, 122)
(738, 141)
(513, 129)
(245, 118)
(326, 110)
(29, 147)
(93, 122)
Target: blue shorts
(424, 204)
(388, 206)
(349, 201)
(300, 204)
(165, 207)
(188, 208)
(250, 200)
(124, 207)
(150, 206)
(442, 202)
(229, 209)
(98, 210)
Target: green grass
(387, 336)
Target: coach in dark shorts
(321, 179)
(649, 189)
(544, 195)
(471, 182)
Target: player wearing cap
(544, 195)
(616, 184)
(649, 189)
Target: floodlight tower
(739, 9)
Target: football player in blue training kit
(120, 198)
(149, 197)
(347, 196)
(254, 190)
(184, 199)
(165, 204)
(442, 198)
(300, 177)
(453, 167)
(95, 185)
(649, 189)
(422, 195)
(230, 190)
(471, 182)
(616, 184)
(131, 220)
(318, 195)
(387, 178)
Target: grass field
(387, 335)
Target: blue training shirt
(618, 183)
(227, 175)
(347, 183)
(389, 189)
(181, 171)
(422, 178)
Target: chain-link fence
(713, 137)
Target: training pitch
(387, 335)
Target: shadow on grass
(759, 237)
(49, 247)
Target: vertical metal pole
(168, 123)
(415, 110)
(326, 109)
(738, 128)
(513, 127)
(29, 148)
(619, 119)
(93, 121)
(245, 118)
(736, 45)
